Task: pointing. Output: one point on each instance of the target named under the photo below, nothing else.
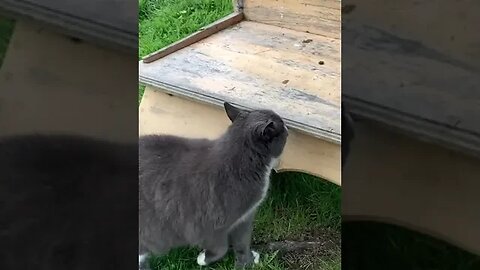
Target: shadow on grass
(373, 245)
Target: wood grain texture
(112, 23)
(442, 25)
(422, 70)
(40, 77)
(161, 113)
(399, 180)
(195, 37)
(408, 85)
(322, 17)
(255, 65)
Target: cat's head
(264, 128)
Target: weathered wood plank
(260, 66)
(195, 37)
(396, 179)
(160, 113)
(407, 85)
(110, 23)
(322, 17)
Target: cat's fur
(67, 202)
(199, 192)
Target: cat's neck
(241, 149)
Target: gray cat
(204, 193)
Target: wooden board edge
(174, 90)
(422, 129)
(102, 35)
(204, 32)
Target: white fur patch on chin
(201, 259)
(256, 257)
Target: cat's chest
(266, 180)
(263, 187)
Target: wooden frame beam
(204, 32)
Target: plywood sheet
(161, 113)
(260, 66)
(322, 17)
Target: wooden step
(255, 65)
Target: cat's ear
(268, 130)
(232, 111)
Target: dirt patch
(315, 258)
(311, 250)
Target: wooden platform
(162, 113)
(255, 65)
(284, 57)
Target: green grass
(162, 22)
(6, 28)
(297, 203)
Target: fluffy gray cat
(204, 193)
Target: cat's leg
(240, 238)
(214, 249)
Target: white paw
(201, 259)
(256, 257)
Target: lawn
(299, 207)
(162, 22)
